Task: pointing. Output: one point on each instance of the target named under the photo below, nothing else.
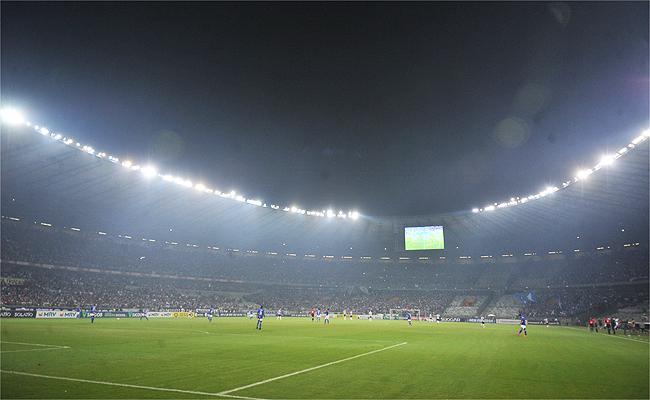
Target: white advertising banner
(161, 314)
(56, 314)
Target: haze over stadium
(406, 200)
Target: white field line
(63, 378)
(309, 369)
(612, 336)
(22, 351)
(46, 347)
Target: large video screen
(424, 238)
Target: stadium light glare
(583, 173)
(607, 159)
(149, 171)
(12, 116)
(88, 149)
(254, 202)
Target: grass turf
(449, 360)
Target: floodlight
(583, 173)
(354, 215)
(12, 116)
(149, 171)
(127, 164)
(607, 160)
(88, 149)
(44, 131)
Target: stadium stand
(52, 267)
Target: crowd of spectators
(136, 273)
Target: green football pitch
(296, 358)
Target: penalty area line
(127, 385)
(226, 392)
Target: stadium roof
(391, 109)
(14, 117)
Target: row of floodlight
(581, 175)
(15, 117)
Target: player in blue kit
(210, 314)
(318, 314)
(92, 314)
(408, 318)
(522, 326)
(260, 317)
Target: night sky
(389, 108)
